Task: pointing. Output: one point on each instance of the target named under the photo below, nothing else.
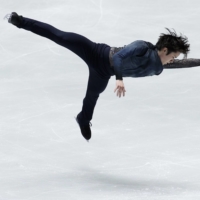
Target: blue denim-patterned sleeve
(137, 48)
(184, 63)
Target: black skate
(85, 129)
(14, 18)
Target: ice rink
(143, 146)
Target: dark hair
(173, 43)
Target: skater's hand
(120, 88)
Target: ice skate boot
(14, 18)
(85, 129)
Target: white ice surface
(144, 146)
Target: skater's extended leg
(78, 44)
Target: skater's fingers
(116, 88)
(118, 92)
(124, 92)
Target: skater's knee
(59, 38)
(93, 93)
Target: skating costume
(95, 55)
(135, 60)
(138, 59)
(184, 63)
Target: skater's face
(165, 59)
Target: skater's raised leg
(78, 44)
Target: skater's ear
(165, 50)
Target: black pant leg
(95, 55)
(96, 85)
(78, 44)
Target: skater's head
(170, 46)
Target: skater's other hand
(120, 89)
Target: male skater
(138, 59)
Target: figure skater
(138, 59)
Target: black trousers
(95, 55)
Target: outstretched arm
(184, 63)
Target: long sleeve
(134, 49)
(184, 63)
